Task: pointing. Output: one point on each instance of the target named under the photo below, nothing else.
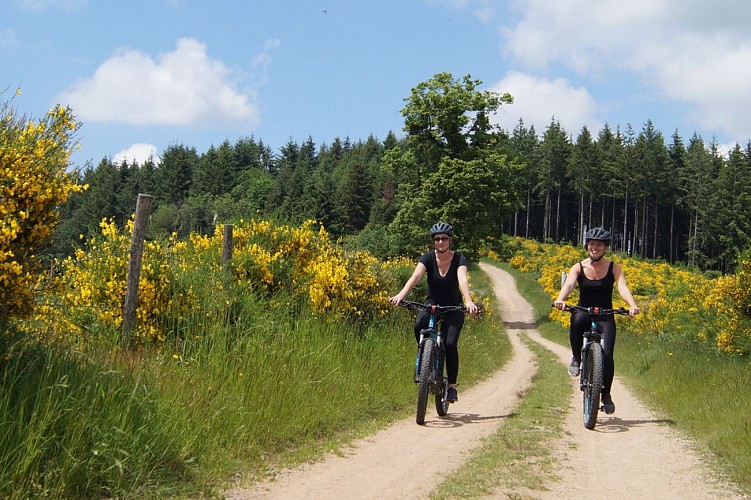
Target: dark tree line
(682, 202)
(674, 201)
(333, 184)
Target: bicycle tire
(427, 362)
(594, 374)
(441, 405)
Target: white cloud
(263, 59)
(588, 36)
(8, 39)
(139, 152)
(184, 87)
(688, 51)
(537, 101)
(713, 79)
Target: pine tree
(174, 175)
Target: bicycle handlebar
(437, 309)
(598, 311)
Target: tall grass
(70, 428)
(250, 384)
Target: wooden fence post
(227, 245)
(143, 207)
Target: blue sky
(143, 74)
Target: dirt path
(638, 455)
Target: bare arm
(464, 288)
(410, 284)
(624, 291)
(568, 286)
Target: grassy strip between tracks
(517, 457)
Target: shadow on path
(520, 325)
(615, 424)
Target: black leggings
(580, 324)
(451, 326)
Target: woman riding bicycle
(596, 277)
(447, 285)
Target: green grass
(72, 429)
(260, 385)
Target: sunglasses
(441, 238)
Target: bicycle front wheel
(427, 362)
(593, 378)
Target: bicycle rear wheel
(441, 405)
(427, 363)
(593, 378)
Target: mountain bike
(592, 371)
(430, 374)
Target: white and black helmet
(599, 234)
(442, 228)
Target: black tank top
(443, 290)
(597, 293)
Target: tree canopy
(682, 201)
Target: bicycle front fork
(582, 372)
(417, 363)
(418, 358)
(584, 363)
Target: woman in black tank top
(448, 285)
(596, 277)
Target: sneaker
(573, 368)
(451, 395)
(607, 404)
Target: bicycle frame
(591, 374)
(430, 375)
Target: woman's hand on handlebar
(471, 307)
(633, 311)
(560, 304)
(396, 299)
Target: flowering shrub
(730, 299)
(89, 287)
(34, 183)
(674, 302)
(187, 278)
(306, 261)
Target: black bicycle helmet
(442, 228)
(599, 234)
